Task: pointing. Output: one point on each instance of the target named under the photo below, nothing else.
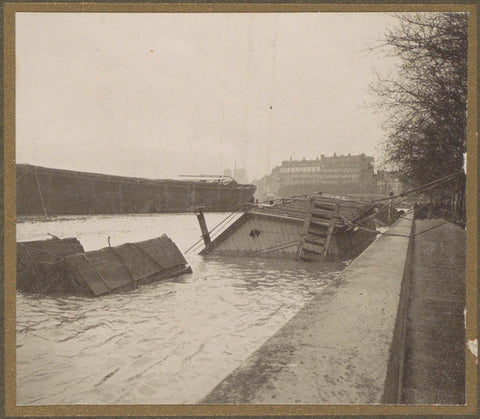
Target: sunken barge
(62, 267)
(48, 192)
(314, 228)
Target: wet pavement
(435, 334)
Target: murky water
(164, 343)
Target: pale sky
(158, 95)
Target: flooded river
(164, 343)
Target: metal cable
(211, 231)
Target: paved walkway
(435, 334)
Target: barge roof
(297, 208)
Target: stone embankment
(370, 337)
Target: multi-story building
(348, 175)
(336, 175)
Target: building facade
(335, 175)
(342, 175)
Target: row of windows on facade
(324, 176)
(355, 169)
(300, 179)
(351, 162)
(316, 181)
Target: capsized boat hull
(291, 231)
(66, 269)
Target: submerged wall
(338, 348)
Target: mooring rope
(431, 228)
(221, 222)
(392, 199)
(422, 188)
(211, 231)
(393, 234)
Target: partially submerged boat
(316, 227)
(61, 266)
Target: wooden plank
(330, 232)
(228, 232)
(320, 223)
(327, 207)
(122, 261)
(307, 250)
(314, 242)
(292, 232)
(271, 214)
(266, 236)
(278, 247)
(316, 233)
(236, 241)
(306, 226)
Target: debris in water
(61, 266)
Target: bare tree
(426, 99)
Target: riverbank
(336, 350)
(389, 330)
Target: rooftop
(330, 159)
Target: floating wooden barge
(61, 266)
(45, 191)
(307, 227)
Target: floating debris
(61, 266)
(39, 263)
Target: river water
(165, 343)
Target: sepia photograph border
(9, 207)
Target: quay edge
(344, 347)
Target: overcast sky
(158, 95)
